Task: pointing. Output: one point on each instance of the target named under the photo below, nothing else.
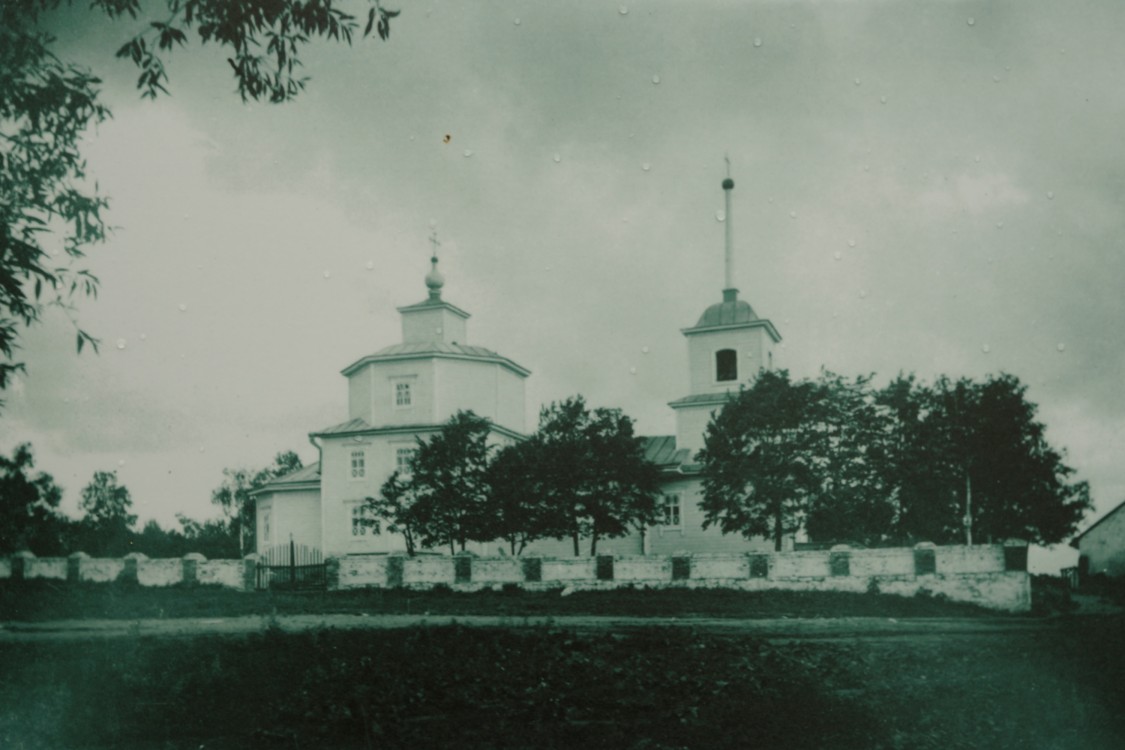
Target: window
(266, 527)
(359, 465)
(670, 511)
(363, 523)
(402, 394)
(726, 365)
(402, 460)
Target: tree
(449, 485)
(235, 495)
(107, 521)
(394, 507)
(852, 501)
(47, 104)
(592, 475)
(516, 508)
(760, 458)
(29, 514)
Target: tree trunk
(512, 542)
(968, 508)
(593, 544)
(777, 529)
(574, 538)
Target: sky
(927, 187)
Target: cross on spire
(434, 243)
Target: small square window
(403, 396)
(359, 465)
(363, 522)
(403, 457)
(670, 512)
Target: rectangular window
(670, 511)
(359, 465)
(363, 523)
(402, 394)
(266, 527)
(402, 460)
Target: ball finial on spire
(434, 280)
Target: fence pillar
(20, 564)
(191, 568)
(332, 573)
(1015, 555)
(604, 567)
(250, 572)
(395, 565)
(925, 559)
(532, 569)
(74, 566)
(839, 561)
(759, 566)
(463, 568)
(681, 568)
(131, 572)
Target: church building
(406, 391)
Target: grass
(44, 600)
(548, 688)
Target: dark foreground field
(439, 687)
(42, 600)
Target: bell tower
(727, 346)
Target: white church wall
(690, 537)
(691, 423)
(752, 345)
(485, 388)
(360, 394)
(419, 373)
(295, 512)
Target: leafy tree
(592, 475)
(760, 458)
(235, 495)
(1014, 483)
(516, 508)
(107, 520)
(449, 485)
(29, 514)
(214, 539)
(47, 104)
(394, 506)
(853, 501)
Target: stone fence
(191, 569)
(993, 576)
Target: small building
(407, 391)
(1101, 548)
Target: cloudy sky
(929, 187)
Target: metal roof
(352, 425)
(727, 313)
(1095, 524)
(293, 480)
(437, 349)
(661, 450)
(704, 399)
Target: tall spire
(434, 280)
(730, 293)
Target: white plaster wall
(1104, 545)
(498, 569)
(564, 570)
(296, 513)
(720, 567)
(226, 573)
(465, 385)
(640, 568)
(427, 570)
(100, 569)
(45, 567)
(882, 562)
(368, 571)
(975, 559)
(165, 572)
